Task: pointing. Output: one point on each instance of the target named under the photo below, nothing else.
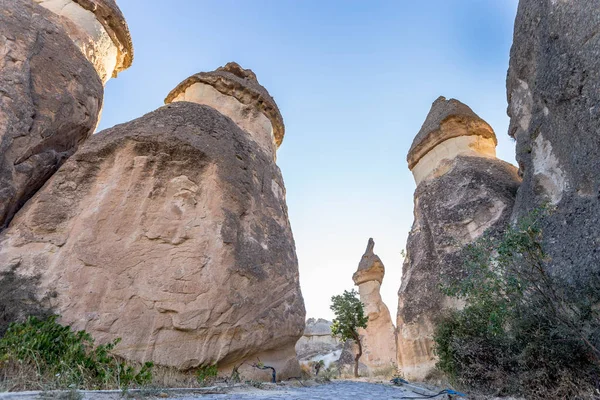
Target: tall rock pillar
(55, 56)
(554, 103)
(379, 338)
(463, 190)
(171, 232)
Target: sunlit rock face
(98, 29)
(318, 344)
(451, 129)
(463, 193)
(236, 93)
(54, 58)
(553, 92)
(171, 232)
(379, 338)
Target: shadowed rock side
(54, 58)
(379, 338)
(171, 232)
(554, 103)
(50, 97)
(464, 193)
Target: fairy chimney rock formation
(171, 232)
(55, 56)
(99, 30)
(379, 338)
(463, 191)
(236, 93)
(451, 129)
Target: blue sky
(354, 81)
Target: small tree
(349, 316)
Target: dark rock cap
(233, 80)
(370, 267)
(110, 16)
(432, 134)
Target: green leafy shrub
(42, 354)
(207, 374)
(522, 330)
(349, 317)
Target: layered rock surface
(51, 72)
(462, 194)
(170, 232)
(379, 338)
(554, 103)
(317, 343)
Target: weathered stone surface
(451, 129)
(235, 92)
(50, 97)
(99, 30)
(467, 194)
(379, 338)
(553, 91)
(54, 57)
(171, 232)
(317, 343)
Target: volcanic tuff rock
(170, 231)
(554, 103)
(464, 192)
(235, 92)
(51, 72)
(317, 343)
(379, 338)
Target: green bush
(207, 374)
(522, 330)
(42, 354)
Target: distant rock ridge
(317, 343)
(379, 338)
(462, 192)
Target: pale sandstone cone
(170, 231)
(462, 192)
(379, 338)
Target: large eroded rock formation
(463, 190)
(54, 58)
(170, 231)
(379, 338)
(554, 104)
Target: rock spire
(378, 339)
(462, 192)
(171, 232)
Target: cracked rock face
(55, 56)
(50, 98)
(170, 231)
(379, 338)
(465, 193)
(553, 91)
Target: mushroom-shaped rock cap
(370, 267)
(446, 120)
(233, 80)
(110, 16)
